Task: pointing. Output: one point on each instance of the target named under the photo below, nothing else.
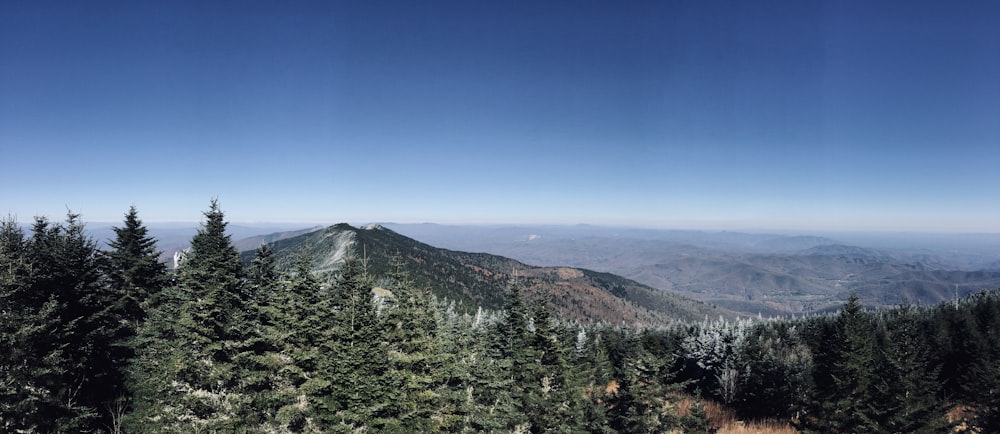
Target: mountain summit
(480, 279)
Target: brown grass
(961, 415)
(724, 420)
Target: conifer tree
(598, 379)
(19, 326)
(554, 403)
(353, 390)
(845, 371)
(59, 327)
(263, 278)
(515, 359)
(134, 276)
(981, 383)
(196, 351)
(417, 364)
(642, 390)
(133, 268)
(906, 387)
(297, 321)
(263, 363)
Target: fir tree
(353, 389)
(197, 349)
(907, 388)
(417, 364)
(135, 276)
(844, 351)
(58, 373)
(297, 322)
(133, 268)
(554, 403)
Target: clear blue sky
(738, 114)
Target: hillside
(479, 279)
(752, 273)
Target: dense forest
(111, 341)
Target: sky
(838, 115)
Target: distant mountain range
(480, 279)
(751, 273)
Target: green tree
(907, 388)
(644, 387)
(133, 268)
(296, 322)
(555, 401)
(134, 276)
(196, 351)
(58, 329)
(352, 391)
(416, 361)
(844, 354)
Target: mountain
(480, 279)
(251, 243)
(752, 273)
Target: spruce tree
(353, 388)
(846, 405)
(516, 359)
(554, 403)
(908, 387)
(196, 350)
(417, 364)
(298, 321)
(262, 362)
(135, 276)
(59, 330)
(20, 402)
(133, 268)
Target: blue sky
(859, 115)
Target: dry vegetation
(724, 420)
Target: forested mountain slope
(752, 273)
(479, 279)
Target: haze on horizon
(784, 115)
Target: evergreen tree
(981, 383)
(263, 279)
(197, 350)
(643, 388)
(20, 402)
(418, 368)
(135, 276)
(133, 268)
(59, 330)
(515, 358)
(263, 362)
(554, 403)
(598, 378)
(907, 388)
(777, 380)
(353, 390)
(297, 321)
(844, 354)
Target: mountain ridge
(754, 273)
(481, 279)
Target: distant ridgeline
(770, 274)
(364, 330)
